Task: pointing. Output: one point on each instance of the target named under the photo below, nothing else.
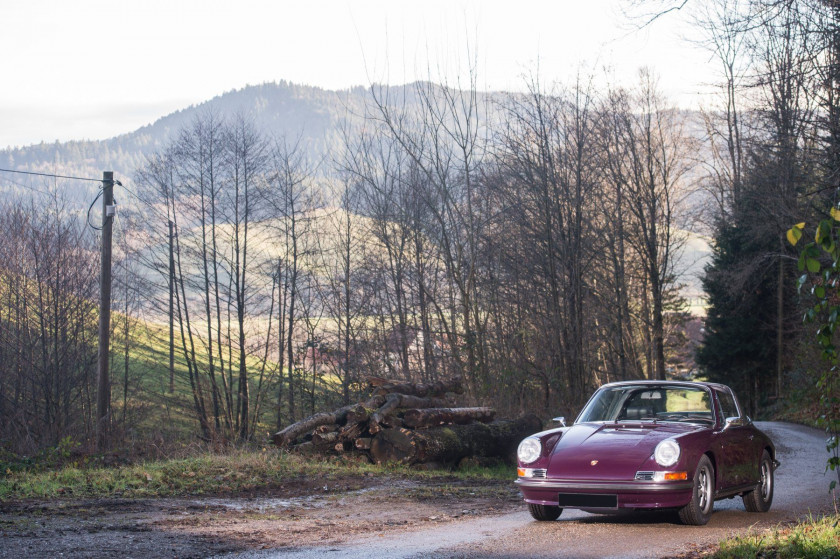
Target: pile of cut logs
(410, 423)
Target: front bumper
(630, 494)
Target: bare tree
(447, 142)
(646, 160)
(292, 200)
(47, 325)
(547, 157)
(342, 289)
(725, 25)
(248, 153)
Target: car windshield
(645, 402)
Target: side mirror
(561, 419)
(736, 422)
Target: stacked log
(409, 423)
(432, 417)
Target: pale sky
(93, 69)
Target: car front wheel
(698, 511)
(760, 498)
(544, 512)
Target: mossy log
(338, 417)
(358, 414)
(452, 443)
(325, 429)
(393, 402)
(324, 440)
(433, 417)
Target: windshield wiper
(640, 420)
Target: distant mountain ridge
(309, 114)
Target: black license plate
(588, 500)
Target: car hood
(609, 450)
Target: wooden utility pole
(103, 395)
(171, 308)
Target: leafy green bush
(63, 454)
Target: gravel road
(801, 488)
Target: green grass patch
(235, 472)
(812, 539)
(152, 412)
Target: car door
(736, 443)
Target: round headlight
(529, 450)
(667, 452)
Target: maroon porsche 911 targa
(650, 445)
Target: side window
(727, 404)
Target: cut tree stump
(433, 417)
(453, 442)
(394, 445)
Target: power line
(91, 225)
(29, 187)
(52, 175)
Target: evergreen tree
(739, 347)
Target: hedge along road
(801, 489)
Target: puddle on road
(258, 504)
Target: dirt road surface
(369, 517)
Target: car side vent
(644, 476)
(540, 473)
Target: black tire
(698, 511)
(760, 498)
(544, 512)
